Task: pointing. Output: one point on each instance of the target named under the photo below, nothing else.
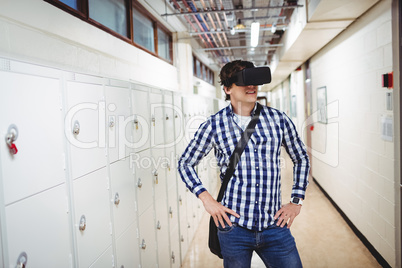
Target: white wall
(350, 159)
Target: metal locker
(171, 167)
(144, 179)
(147, 230)
(128, 254)
(93, 228)
(141, 118)
(118, 120)
(32, 121)
(106, 260)
(123, 195)
(170, 113)
(157, 118)
(175, 259)
(162, 232)
(160, 162)
(39, 227)
(178, 118)
(85, 128)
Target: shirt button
(257, 184)
(257, 167)
(255, 150)
(256, 202)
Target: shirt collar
(233, 114)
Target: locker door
(142, 119)
(162, 232)
(157, 118)
(128, 254)
(123, 195)
(170, 112)
(92, 216)
(85, 115)
(32, 105)
(178, 119)
(174, 227)
(39, 226)
(144, 179)
(119, 125)
(148, 239)
(183, 222)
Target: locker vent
(5, 65)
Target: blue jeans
(275, 245)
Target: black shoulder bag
(213, 241)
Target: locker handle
(139, 183)
(116, 199)
(182, 238)
(155, 173)
(83, 223)
(158, 225)
(12, 135)
(173, 257)
(171, 212)
(22, 260)
(153, 119)
(76, 128)
(136, 123)
(143, 244)
(111, 122)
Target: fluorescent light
(255, 32)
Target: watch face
(296, 200)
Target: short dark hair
(229, 70)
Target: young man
(250, 216)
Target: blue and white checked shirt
(254, 190)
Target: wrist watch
(296, 200)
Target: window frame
(209, 75)
(83, 13)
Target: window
(202, 71)
(143, 31)
(125, 19)
(111, 13)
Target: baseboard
(362, 238)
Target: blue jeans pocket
(226, 228)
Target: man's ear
(227, 90)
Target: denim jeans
(275, 245)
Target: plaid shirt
(254, 190)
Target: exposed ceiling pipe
(198, 23)
(205, 23)
(212, 22)
(190, 23)
(219, 21)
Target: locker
(144, 179)
(37, 117)
(162, 232)
(93, 228)
(183, 222)
(127, 249)
(157, 118)
(159, 161)
(175, 259)
(178, 118)
(171, 168)
(39, 226)
(170, 113)
(118, 121)
(123, 195)
(141, 119)
(106, 260)
(85, 126)
(147, 230)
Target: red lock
(13, 148)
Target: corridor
(322, 236)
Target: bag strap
(235, 157)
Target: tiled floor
(322, 236)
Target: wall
(351, 161)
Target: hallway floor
(322, 236)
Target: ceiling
(291, 31)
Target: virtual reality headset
(250, 76)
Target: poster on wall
(322, 104)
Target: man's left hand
(287, 214)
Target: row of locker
(88, 170)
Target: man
(250, 216)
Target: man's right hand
(216, 209)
